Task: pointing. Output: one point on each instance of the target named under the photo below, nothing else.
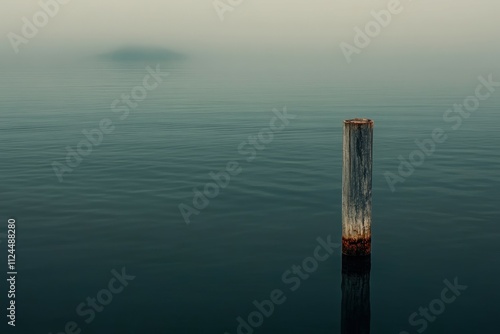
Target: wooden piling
(357, 187)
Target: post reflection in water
(355, 312)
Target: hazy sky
(443, 26)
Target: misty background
(457, 34)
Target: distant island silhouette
(134, 53)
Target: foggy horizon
(254, 28)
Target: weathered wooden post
(357, 187)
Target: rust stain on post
(357, 187)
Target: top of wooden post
(359, 121)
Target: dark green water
(119, 208)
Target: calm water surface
(119, 207)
